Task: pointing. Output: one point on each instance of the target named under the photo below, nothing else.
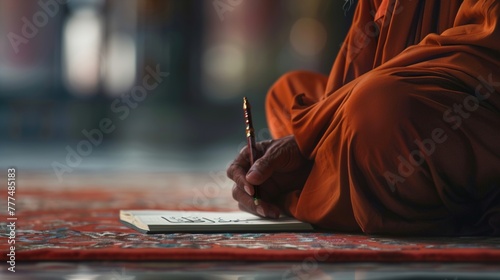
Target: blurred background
(149, 84)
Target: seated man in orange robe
(403, 137)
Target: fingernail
(248, 190)
(260, 211)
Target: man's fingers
(265, 166)
(260, 171)
(246, 203)
(237, 172)
(241, 162)
(281, 155)
(279, 158)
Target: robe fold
(405, 132)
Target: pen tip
(256, 202)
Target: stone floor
(243, 271)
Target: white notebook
(158, 221)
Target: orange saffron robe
(405, 132)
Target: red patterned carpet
(77, 220)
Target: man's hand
(280, 170)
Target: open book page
(151, 221)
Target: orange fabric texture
(404, 133)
